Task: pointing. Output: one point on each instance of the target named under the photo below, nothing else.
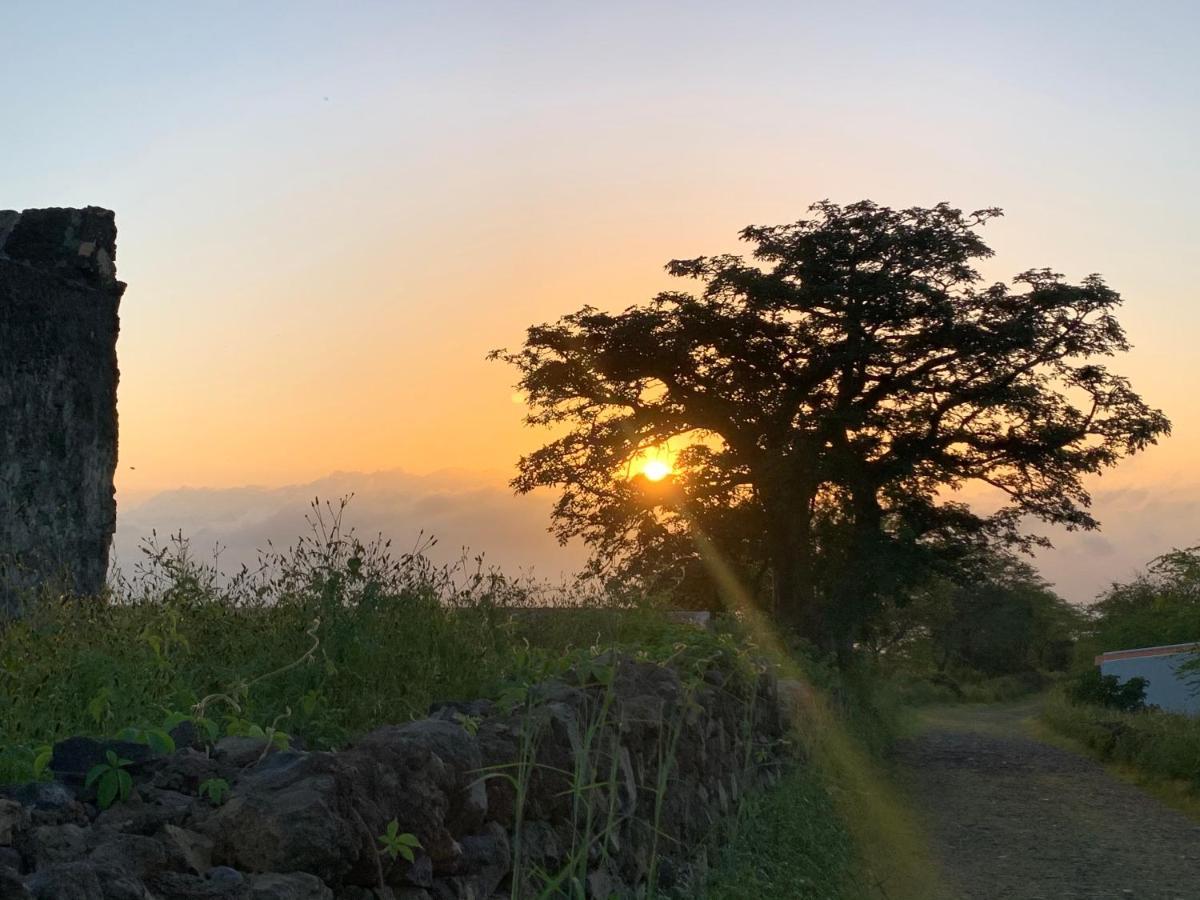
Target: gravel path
(1013, 818)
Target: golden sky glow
(327, 218)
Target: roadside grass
(1159, 752)
(893, 860)
(789, 844)
(323, 641)
(916, 690)
(840, 826)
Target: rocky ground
(1013, 818)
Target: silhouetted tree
(826, 394)
(996, 615)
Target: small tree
(825, 396)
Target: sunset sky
(329, 213)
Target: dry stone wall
(592, 785)
(59, 297)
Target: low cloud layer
(477, 513)
(468, 513)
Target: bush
(1164, 745)
(1108, 691)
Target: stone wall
(58, 394)
(591, 785)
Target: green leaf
(174, 720)
(124, 784)
(41, 762)
(405, 852)
(107, 792)
(160, 742)
(112, 758)
(409, 840)
(94, 773)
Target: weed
(214, 790)
(394, 843)
(110, 779)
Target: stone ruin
(58, 399)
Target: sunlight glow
(656, 469)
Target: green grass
(839, 826)
(789, 845)
(325, 641)
(1156, 744)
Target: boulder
(72, 759)
(14, 819)
(48, 802)
(292, 886)
(187, 850)
(298, 816)
(66, 881)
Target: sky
(329, 213)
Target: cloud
(1137, 524)
(469, 513)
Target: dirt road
(1013, 818)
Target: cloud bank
(469, 513)
(472, 513)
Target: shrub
(1108, 691)
(1164, 745)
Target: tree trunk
(794, 599)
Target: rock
(67, 881)
(11, 886)
(239, 751)
(486, 860)
(51, 845)
(129, 855)
(293, 886)
(72, 759)
(459, 753)
(10, 858)
(224, 875)
(181, 886)
(14, 818)
(146, 811)
(185, 770)
(187, 850)
(418, 873)
(297, 817)
(186, 736)
(48, 802)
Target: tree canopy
(822, 398)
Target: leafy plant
(156, 739)
(111, 780)
(214, 790)
(1108, 691)
(398, 844)
(207, 728)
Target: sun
(656, 469)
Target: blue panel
(1169, 689)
